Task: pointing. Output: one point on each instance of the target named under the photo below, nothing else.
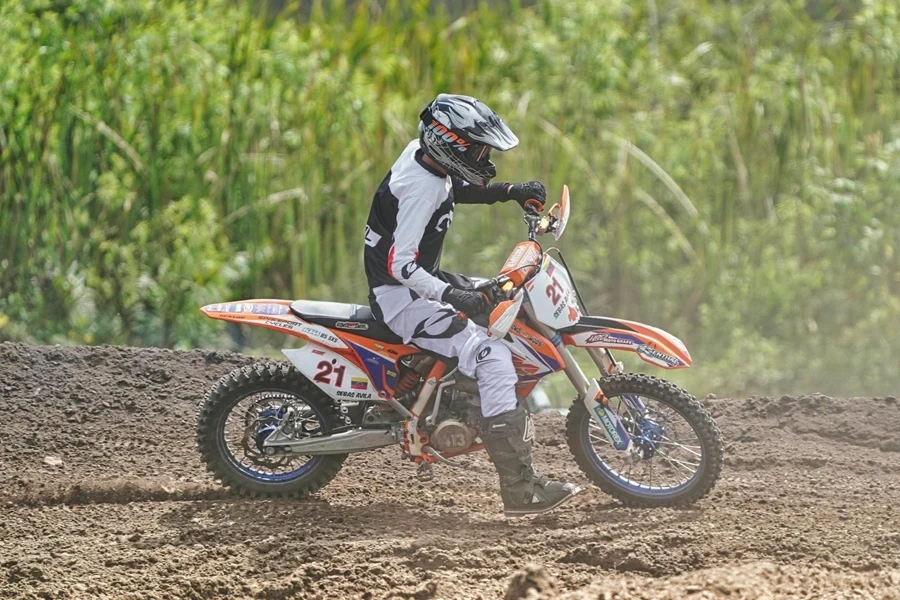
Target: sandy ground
(104, 496)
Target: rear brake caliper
(269, 419)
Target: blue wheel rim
(257, 475)
(624, 482)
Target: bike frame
(352, 368)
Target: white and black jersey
(411, 213)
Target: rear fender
(334, 374)
(653, 345)
(275, 315)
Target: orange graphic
(522, 262)
(635, 337)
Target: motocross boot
(507, 438)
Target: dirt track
(806, 507)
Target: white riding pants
(434, 326)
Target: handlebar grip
(535, 204)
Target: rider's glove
(530, 190)
(465, 301)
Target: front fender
(653, 345)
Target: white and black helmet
(458, 132)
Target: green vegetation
(735, 166)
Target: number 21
(554, 291)
(325, 369)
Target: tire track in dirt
(104, 497)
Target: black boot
(507, 439)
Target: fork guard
(607, 419)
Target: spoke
(627, 409)
(678, 463)
(599, 438)
(686, 448)
(684, 463)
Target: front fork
(590, 393)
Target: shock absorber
(407, 382)
(417, 366)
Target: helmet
(458, 132)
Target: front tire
(584, 441)
(251, 397)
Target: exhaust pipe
(356, 440)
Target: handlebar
(534, 204)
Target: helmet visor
(479, 154)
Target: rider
(412, 210)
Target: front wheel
(678, 449)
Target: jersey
(411, 213)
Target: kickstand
(425, 472)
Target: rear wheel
(680, 451)
(245, 407)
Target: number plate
(335, 375)
(553, 297)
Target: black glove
(530, 190)
(468, 302)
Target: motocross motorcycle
(285, 430)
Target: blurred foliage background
(734, 166)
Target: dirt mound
(104, 497)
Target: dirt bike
(279, 430)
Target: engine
(457, 423)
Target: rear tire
(673, 397)
(261, 378)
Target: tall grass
(735, 167)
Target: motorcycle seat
(351, 318)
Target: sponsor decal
(373, 360)
(390, 373)
(560, 308)
(443, 223)
(521, 333)
(573, 314)
(250, 307)
(378, 346)
(372, 238)
(352, 395)
(448, 136)
(609, 338)
(485, 352)
(319, 334)
(292, 325)
(354, 325)
(609, 426)
(321, 352)
(408, 269)
(646, 350)
(516, 255)
(359, 383)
